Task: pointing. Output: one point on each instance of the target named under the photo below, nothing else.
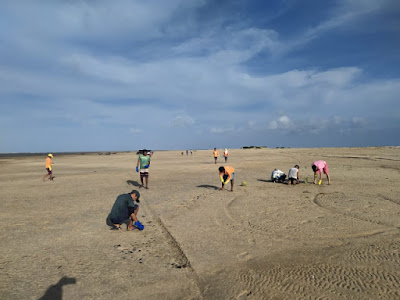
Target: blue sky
(180, 74)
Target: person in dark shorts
(143, 164)
(226, 174)
(49, 165)
(125, 208)
(294, 175)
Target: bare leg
(147, 181)
(231, 185)
(329, 178)
(133, 219)
(141, 180)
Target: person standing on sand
(49, 164)
(226, 174)
(215, 154)
(319, 166)
(294, 175)
(143, 165)
(226, 153)
(124, 208)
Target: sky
(102, 75)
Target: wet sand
(262, 241)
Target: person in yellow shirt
(215, 154)
(49, 164)
(226, 174)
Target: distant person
(226, 174)
(125, 208)
(215, 155)
(278, 176)
(143, 165)
(226, 154)
(191, 152)
(319, 166)
(49, 165)
(187, 152)
(294, 175)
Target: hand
(146, 166)
(137, 169)
(319, 182)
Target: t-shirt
(320, 164)
(121, 206)
(48, 163)
(277, 174)
(226, 153)
(144, 160)
(215, 153)
(293, 173)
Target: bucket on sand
(244, 183)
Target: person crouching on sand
(49, 164)
(226, 174)
(124, 208)
(319, 166)
(278, 176)
(294, 175)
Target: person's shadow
(54, 292)
(207, 186)
(134, 183)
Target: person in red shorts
(320, 166)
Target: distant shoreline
(20, 154)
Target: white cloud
(182, 121)
(218, 130)
(135, 130)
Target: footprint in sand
(244, 256)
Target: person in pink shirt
(319, 166)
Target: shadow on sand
(54, 292)
(134, 183)
(207, 186)
(264, 180)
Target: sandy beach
(262, 241)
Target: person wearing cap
(215, 155)
(226, 174)
(142, 166)
(125, 208)
(49, 164)
(320, 166)
(226, 154)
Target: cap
(137, 194)
(51, 155)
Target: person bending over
(226, 174)
(320, 166)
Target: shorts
(325, 169)
(144, 172)
(48, 171)
(225, 177)
(124, 215)
(292, 180)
